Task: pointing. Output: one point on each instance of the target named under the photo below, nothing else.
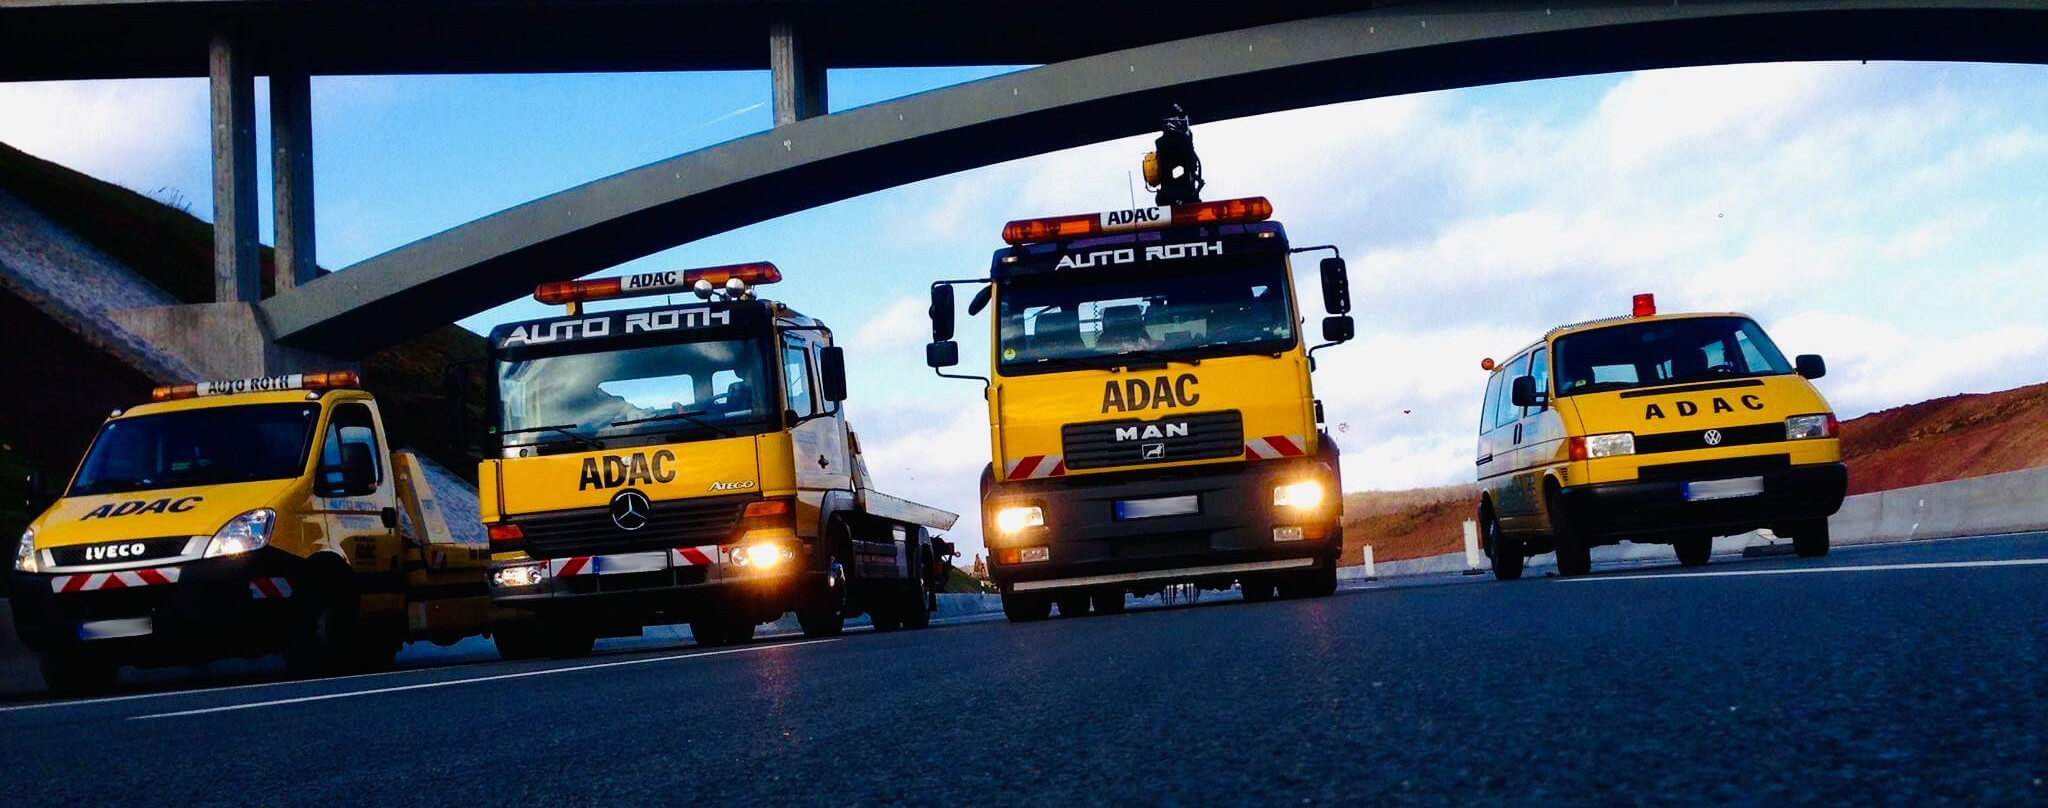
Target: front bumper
(1231, 534)
(1610, 512)
(659, 587)
(164, 614)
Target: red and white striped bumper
(699, 556)
(1274, 446)
(94, 581)
(1034, 467)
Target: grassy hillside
(1933, 441)
(173, 249)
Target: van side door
(1513, 499)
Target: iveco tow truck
(1150, 411)
(238, 518)
(689, 463)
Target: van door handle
(1485, 460)
(1518, 434)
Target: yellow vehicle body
(1706, 455)
(136, 576)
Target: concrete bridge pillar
(291, 172)
(797, 76)
(233, 97)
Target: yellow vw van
(1659, 428)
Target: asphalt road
(1762, 682)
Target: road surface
(1911, 674)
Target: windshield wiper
(692, 417)
(562, 428)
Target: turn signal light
(504, 537)
(1058, 228)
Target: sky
(1887, 216)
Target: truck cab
(239, 518)
(1151, 416)
(688, 463)
(1654, 428)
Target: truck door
(820, 435)
(361, 520)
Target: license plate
(110, 629)
(1162, 506)
(1724, 489)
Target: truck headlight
(1305, 495)
(242, 533)
(1017, 518)
(25, 554)
(764, 555)
(1802, 427)
(1610, 444)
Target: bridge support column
(797, 77)
(233, 96)
(291, 173)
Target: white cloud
(1874, 365)
(901, 323)
(143, 134)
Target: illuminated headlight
(1612, 444)
(1304, 495)
(761, 556)
(242, 533)
(521, 575)
(1802, 427)
(25, 554)
(1017, 519)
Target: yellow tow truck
(689, 464)
(1151, 417)
(238, 518)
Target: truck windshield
(1102, 317)
(1665, 352)
(198, 447)
(683, 391)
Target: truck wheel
(827, 617)
(1574, 555)
(78, 672)
(329, 637)
(1507, 553)
(914, 613)
(1256, 590)
(1316, 583)
(1693, 551)
(1810, 538)
(1026, 608)
(710, 632)
(1107, 601)
(884, 615)
(518, 642)
(1073, 604)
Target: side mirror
(1338, 328)
(1525, 394)
(1811, 366)
(941, 312)
(832, 372)
(942, 354)
(1336, 287)
(980, 300)
(41, 493)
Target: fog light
(1028, 555)
(522, 575)
(1304, 495)
(1287, 533)
(1017, 519)
(761, 556)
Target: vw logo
(629, 510)
(1713, 439)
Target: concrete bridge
(1108, 71)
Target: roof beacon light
(1056, 228)
(1646, 305)
(324, 380)
(702, 281)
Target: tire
(887, 613)
(568, 643)
(914, 611)
(1810, 538)
(716, 631)
(1256, 590)
(1693, 551)
(1026, 608)
(1107, 601)
(1507, 553)
(1073, 604)
(330, 636)
(516, 642)
(1574, 555)
(827, 618)
(1320, 582)
(78, 672)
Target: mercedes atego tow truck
(1151, 416)
(239, 518)
(689, 463)
(1654, 428)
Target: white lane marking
(471, 680)
(1930, 565)
(225, 688)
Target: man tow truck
(689, 463)
(239, 518)
(1150, 408)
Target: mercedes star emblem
(629, 510)
(1713, 439)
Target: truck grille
(1170, 439)
(1726, 436)
(152, 549)
(681, 523)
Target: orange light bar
(654, 283)
(1057, 228)
(318, 380)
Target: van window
(796, 377)
(1505, 410)
(350, 424)
(1491, 406)
(1539, 367)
